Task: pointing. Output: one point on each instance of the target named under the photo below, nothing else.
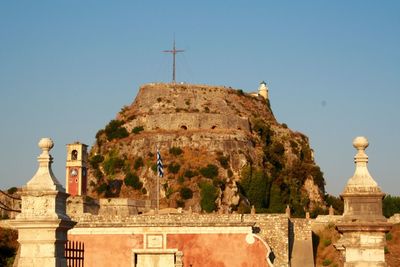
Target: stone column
(363, 226)
(43, 223)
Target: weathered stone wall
(272, 228)
(189, 121)
(302, 228)
(176, 99)
(81, 205)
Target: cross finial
(174, 51)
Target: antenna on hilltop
(174, 51)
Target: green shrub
(133, 181)
(386, 250)
(391, 205)
(180, 203)
(168, 192)
(137, 129)
(208, 195)
(138, 163)
(210, 171)
(98, 174)
(181, 179)
(389, 236)
(176, 151)
(326, 262)
(99, 139)
(186, 193)
(335, 202)
(224, 161)
(276, 199)
(113, 164)
(12, 190)
(190, 174)
(230, 173)
(278, 149)
(95, 161)
(113, 188)
(102, 188)
(115, 130)
(154, 168)
(174, 167)
(327, 242)
(218, 182)
(254, 183)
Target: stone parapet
(81, 205)
(302, 228)
(272, 228)
(118, 207)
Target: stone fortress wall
(189, 121)
(192, 107)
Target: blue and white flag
(160, 170)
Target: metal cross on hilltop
(174, 51)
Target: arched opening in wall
(239, 128)
(213, 127)
(183, 127)
(74, 155)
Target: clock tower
(76, 169)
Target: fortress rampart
(189, 121)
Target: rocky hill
(222, 150)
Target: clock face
(73, 172)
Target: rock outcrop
(222, 150)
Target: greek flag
(160, 170)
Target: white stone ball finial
(362, 180)
(46, 144)
(44, 178)
(360, 143)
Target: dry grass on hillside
(327, 255)
(392, 250)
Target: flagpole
(158, 183)
(160, 173)
(158, 193)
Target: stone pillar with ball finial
(43, 223)
(363, 226)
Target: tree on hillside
(391, 205)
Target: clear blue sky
(333, 68)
